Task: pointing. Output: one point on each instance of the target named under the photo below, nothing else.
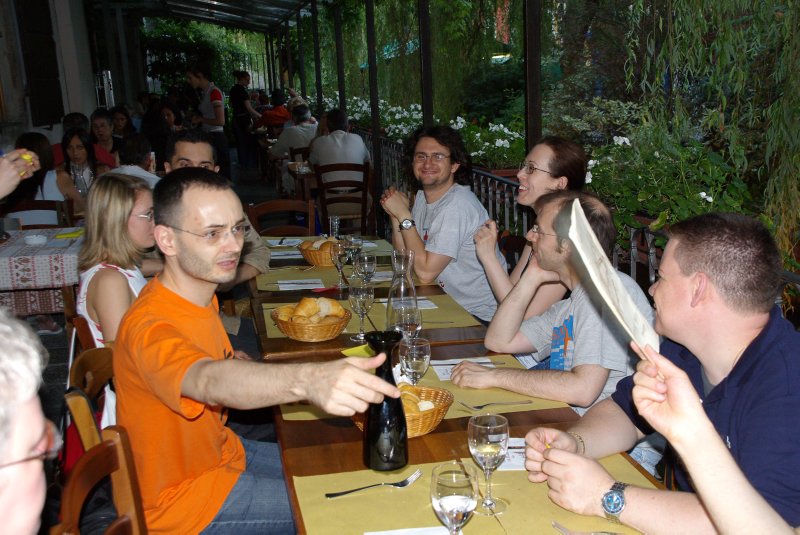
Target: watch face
(613, 502)
(407, 224)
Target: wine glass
(353, 244)
(361, 296)
(364, 266)
(339, 257)
(415, 357)
(407, 320)
(488, 444)
(454, 494)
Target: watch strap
(617, 487)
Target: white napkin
(368, 244)
(287, 242)
(382, 276)
(285, 253)
(422, 304)
(307, 284)
(444, 368)
(515, 458)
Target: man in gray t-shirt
(441, 227)
(582, 350)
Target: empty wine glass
(415, 357)
(364, 266)
(339, 257)
(353, 244)
(361, 296)
(488, 444)
(454, 494)
(407, 320)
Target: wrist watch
(406, 224)
(613, 501)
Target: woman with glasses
(553, 164)
(26, 438)
(119, 229)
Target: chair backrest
(82, 331)
(80, 409)
(91, 370)
(511, 247)
(112, 457)
(286, 210)
(303, 152)
(62, 209)
(356, 192)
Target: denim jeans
(258, 502)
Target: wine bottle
(385, 432)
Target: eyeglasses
(213, 237)
(530, 168)
(537, 230)
(147, 215)
(421, 157)
(52, 441)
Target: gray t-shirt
(574, 332)
(339, 147)
(447, 227)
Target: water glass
(488, 444)
(407, 320)
(364, 266)
(353, 244)
(333, 225)
(339, 258)
(454, 494)
(415, 357)
(361, 296)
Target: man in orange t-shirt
(175, 375)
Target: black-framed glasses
(214, 236)
(421, 157)
(536, 229)
(148, 215)
(52, 441)
(530, 168)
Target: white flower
(706, 197)
(591, 164)
(588, 177)
(620, 140)
(656, 154)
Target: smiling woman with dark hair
(80, 167)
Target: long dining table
(323, 453)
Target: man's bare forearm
(576, 387)
(663, 511)
(508, 317)
(606, 429)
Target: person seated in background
(277, 114)
(103, 131)
(80, 168)
(715, 307)
(26, 437)
(123, 125)
(41, 186)
(552, 164)
(79, 120)
(294, 137)
(175, 376)
(665, 397)
(136, 158)
(446, 214)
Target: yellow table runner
(387, 508)
(382, 246)
(301, 412)
(447, 314)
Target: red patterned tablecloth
(32, 276)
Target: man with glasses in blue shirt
(26, 437)
(440, 228)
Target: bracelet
(580, 441)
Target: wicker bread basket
(311, 332)
(422, 423)
(316, 257)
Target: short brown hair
(599, 216)
(569, 160)
(108, 207)
(736, 252)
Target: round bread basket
(316, 257)
(421, 423)
(311, 332)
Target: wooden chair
(355, 192)
(303, 152)
(111, 457)
(80, 409)
(91, 370)
(511, 247)
(282, 208)
(63, 211)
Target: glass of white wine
(415, 357)
(488, 444)
(339, 257)
(454, 494)
(361, 296)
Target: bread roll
(330, 307)
(316, 317)
(285, 312)
(300, 319)
(425, 405)
(318, 243)
(307, 307)
(326, 246)
(410, 406)
(306, 245)
(328, 320)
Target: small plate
(35, 239)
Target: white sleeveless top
(136, 282)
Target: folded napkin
(382, 276)
(308, 284)
(359, 351)
(285, 253)
(422, 304)
(444, 368)
(287, 242)
(69, 235)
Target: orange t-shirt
(186, 459)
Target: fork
(398, 484)
(566, 531)
(479, 407)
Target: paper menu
(515, 456)
(444, 368)
(307, 284)
(605, 280)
